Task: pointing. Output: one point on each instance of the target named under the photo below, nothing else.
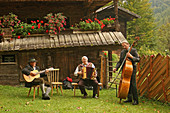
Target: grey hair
(125, 41)
(85, 57)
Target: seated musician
(134, 57)
(37, 81)
(84, 82)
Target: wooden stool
(76, 84)
(35, 86)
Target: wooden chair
(35, 86)
(76, 84)
(53, 77)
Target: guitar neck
(41, 72)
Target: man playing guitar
(29, 71)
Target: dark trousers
(133, 89)
(87, 82)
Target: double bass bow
(127, 71)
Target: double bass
(127, 71)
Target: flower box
(85, 31)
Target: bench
(76, 85)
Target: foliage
(24, 29)
(89, 25)
(9, 21)
(108, 21)
(144, 26)
(15, 100)
(115, 57)
(55, 22)
(162, 39)
(161, 11)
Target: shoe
(45, 97)
(128, 100)
(135, 102)
(95, 97)
(85, 95)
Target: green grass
(15, 100)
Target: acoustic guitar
(30, 78)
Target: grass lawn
(14, 100)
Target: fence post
(148, 77)
(105, 73)
(163, 78)
(101, 71)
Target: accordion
(88, 73)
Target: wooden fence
(153, 80)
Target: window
(8, 58)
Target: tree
(163, 39)
(144, 26)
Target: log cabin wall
(66, 59)
(73, 10)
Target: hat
(32, 60)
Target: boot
(94, 96)
(128, 100)
(45, 97)
(47, 92)
(135, 102)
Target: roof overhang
(64, 41)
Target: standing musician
(133, 57)
(84, 82)
(37, 81)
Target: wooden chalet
(123, 14)
(63, 51)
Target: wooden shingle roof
(63, 40)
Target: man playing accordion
(82, 70)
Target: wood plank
(80, 39)
(119, 36)
(92, 39)
(86, 39)
(103, 39)
(108, 38)
(144, 74)
(11, 44)
(1, 46)
(40, 42)
(5, 46)
(143, 88)
(17, 44)
(98, 40)
(74, 39)
(56, 42)
(157, 61)
(47, 42)
(61, 41)
(114, 37)
(161, 92)
(157, 72)
(68, 40)
(52, 42)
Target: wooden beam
(117, 25)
